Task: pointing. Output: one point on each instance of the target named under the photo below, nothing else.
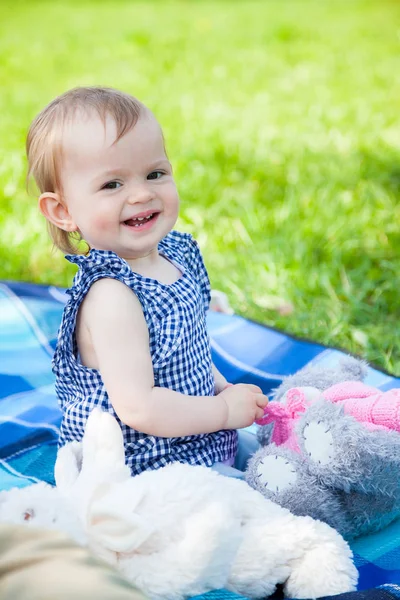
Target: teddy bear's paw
(318, 442)
(276, 474)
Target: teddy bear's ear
(113, 523)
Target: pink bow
(284, 415)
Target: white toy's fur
(182, 530)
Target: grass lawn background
(282, 121)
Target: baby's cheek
(101, 222)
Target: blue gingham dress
(179, 345)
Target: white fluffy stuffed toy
(182, 530)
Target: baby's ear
(112, 522)
(56, 212)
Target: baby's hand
(245, 404)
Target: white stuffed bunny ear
(112, 522)
(68, 465)
(103, 448)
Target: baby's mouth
(140, 221)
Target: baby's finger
(253, 388)
(262, 401)
(259, 414)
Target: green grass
(282, 120)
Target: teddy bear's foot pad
(276, 473)
(318, 442)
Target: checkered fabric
(179, 346)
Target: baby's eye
(155, 175)
(111, 185)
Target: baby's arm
(220, 382)
(119, 336)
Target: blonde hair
(44, 140)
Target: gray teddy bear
(318, 459)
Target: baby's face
(120, 195)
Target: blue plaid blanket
(242, 350)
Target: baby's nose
(140, 193)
